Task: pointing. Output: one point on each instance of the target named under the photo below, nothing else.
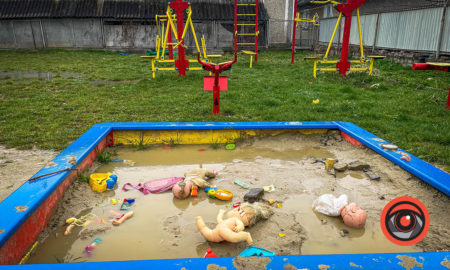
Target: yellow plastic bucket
(98, 181)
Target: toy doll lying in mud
(232, 228)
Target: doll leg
(210, 235)
(200, 182)
(210, 174)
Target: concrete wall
(103, 33)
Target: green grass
(398, 104)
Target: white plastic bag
(329, 205)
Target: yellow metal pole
(158, 46)
(360, 35)
(332, 36)
(251, 60)
(371, 66)
(187, 24)
(195, 38)
(153, 68)
(315, 69)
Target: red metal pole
(181, 63)
(448, 100)
(216, 91)
(347, 9)
(256, 31)
(344, 65)
(293, 33)
(235, 26)
(169, 39)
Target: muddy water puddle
(34, 74)
(163, 227)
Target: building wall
(414, 30)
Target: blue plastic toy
(256, 251)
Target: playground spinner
(172, 23)
(344, 64)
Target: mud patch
(446, 263)
(215, 267)
(352, 264)
(242, 263)
(17, 166)
(323, 267)
(93, 230)
(20, 209)
(291, 267)
(408, 262)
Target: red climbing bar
(293, 33)
(256, 31)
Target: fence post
(441, 30)
(14, 34)
(376, 32)
(44, 40)
(102, 27)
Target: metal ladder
(242, 9)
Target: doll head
(353, 216)
(250, 213)
(182, 189)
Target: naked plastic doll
(231, 228)
(198, 177)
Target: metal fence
(415, 30)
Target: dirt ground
(16, 166)
(291, 179)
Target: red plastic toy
(220, 82)
(210, 254)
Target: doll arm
(220, 216)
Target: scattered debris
(121, 219)
(230, 146)
(375, 85)
(242, 184)
(281, 235)
(344, 232)
(254, 195)
(406, 158)
(382, 198)
(371, 175)
(329, 163)
(386, 146)
(269, 188)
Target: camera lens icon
(405, 221)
